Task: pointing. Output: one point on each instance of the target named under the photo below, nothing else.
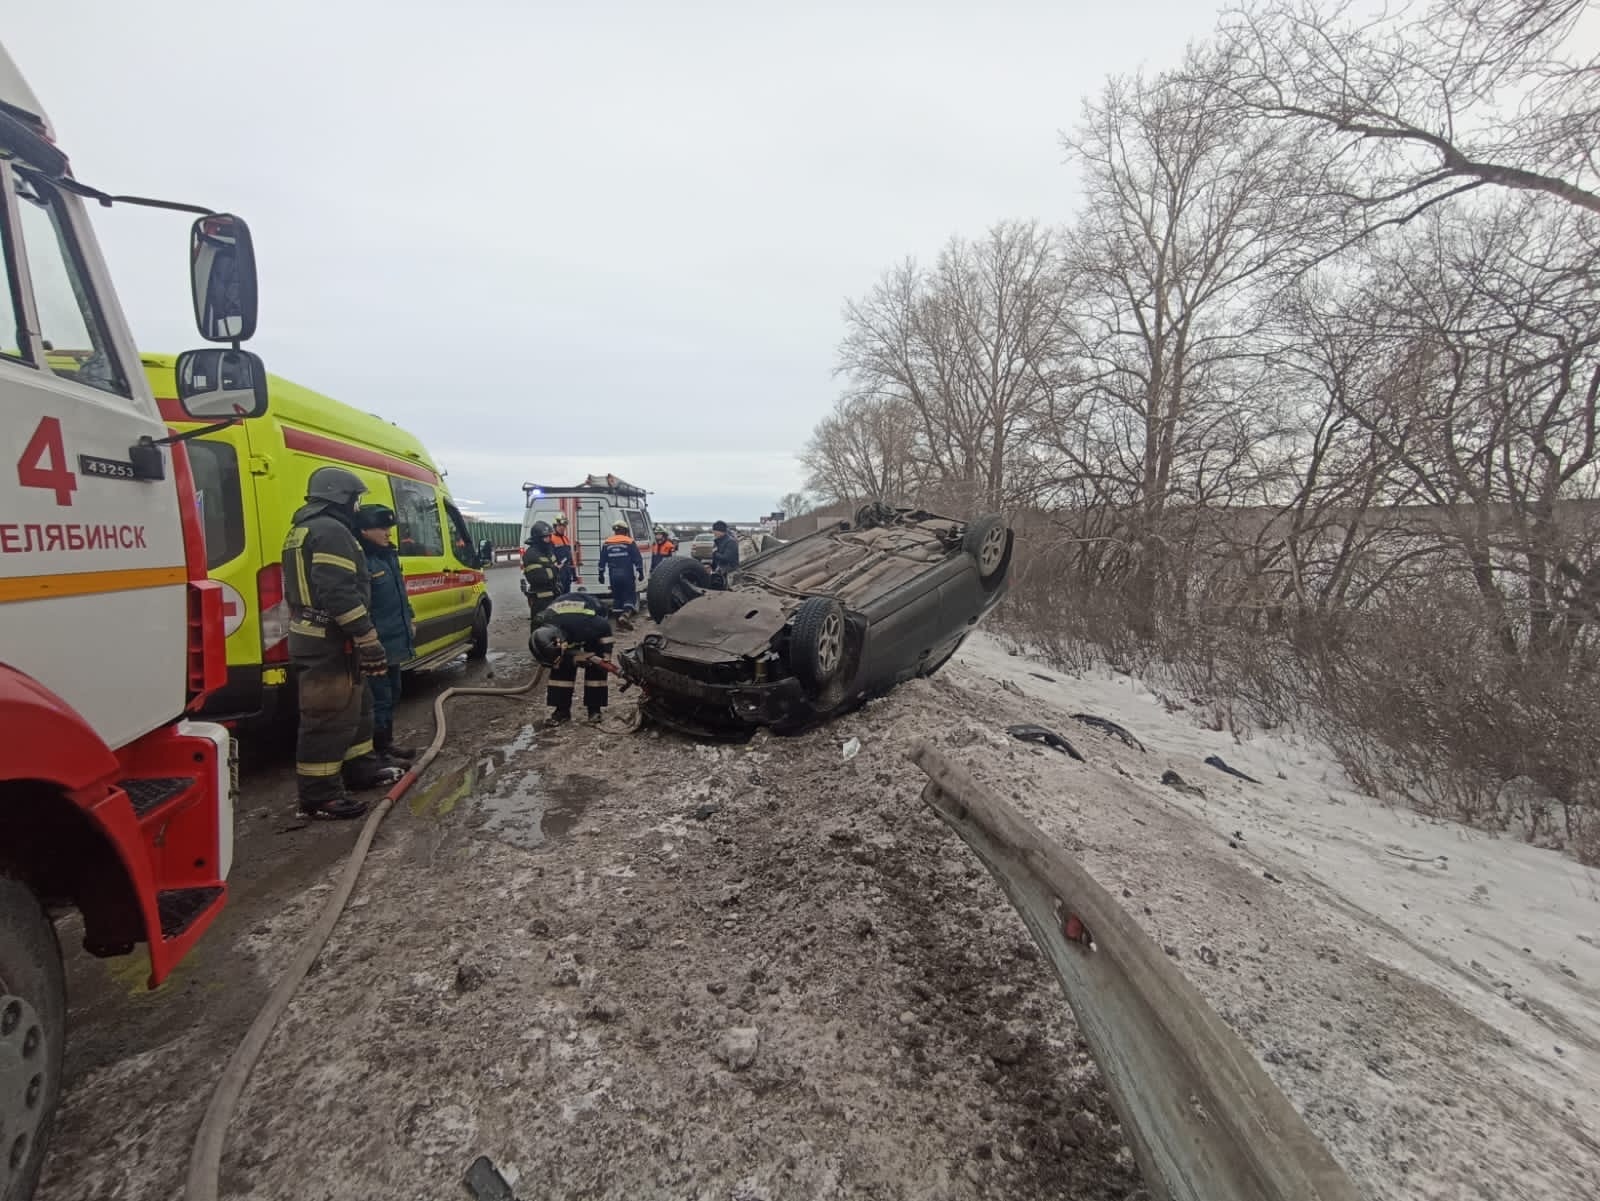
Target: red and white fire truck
(112, 801)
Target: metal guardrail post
(1204, 1120)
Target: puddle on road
(523, 808)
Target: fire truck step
(146, 795)
(180, 906)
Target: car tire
(673, 585)
(33, 1009)
(988, 541)
(816, 641)
(480, 633)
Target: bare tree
(1434, 103)
(973, 349)
(863, 450)
(795, 504)
(1193, 219)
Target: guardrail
(1202, 1117)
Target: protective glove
(372, 659)
(641, 577)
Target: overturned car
(813, 627)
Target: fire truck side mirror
(222, 276)
(221, 385)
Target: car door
(421, 543)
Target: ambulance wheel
(480, 633)
(673, 585)
(33, 1023)
(816, 641)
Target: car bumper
(721, 705)
(251, 694)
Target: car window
(460, 536)
(416, 510)
(69, 316)
(637, 523)
(215, 467)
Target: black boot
(558, 717)
(383, 743)
(370, 771)
(333, 805)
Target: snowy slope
(1507, 932)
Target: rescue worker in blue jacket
(724, 549)
(571, 626)
(561, 547)
(541, 574)
(621, 558)
(394, 620)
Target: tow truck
(113, 800)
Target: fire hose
(205, 1158)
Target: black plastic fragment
(484, 1182)
(1216, 762)
(1045, 737)
(1107, 726)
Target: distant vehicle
(591, 508)
(702, 546)
(813, 627)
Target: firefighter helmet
(538, 532)
(335, 484)
(546, 645)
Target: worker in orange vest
(561, 548)
(664, 548)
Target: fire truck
(113, 801)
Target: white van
(590, 509)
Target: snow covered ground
(1507, 933)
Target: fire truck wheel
(33, 1021)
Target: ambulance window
(75, 340)
(417, 516)
(216, 487)
(637, 523)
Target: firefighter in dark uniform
(561, 547)
(724, 548)
(541, 577)
(395, 622)
(332, 645)
(621, 558)
(664, 548)
(570, 626)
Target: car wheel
(33, 1022)
(816, 641)
(673, 585)
(989, 543)
(480, 634)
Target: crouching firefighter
(332, 646)
(572, 626)
(395, 622)
(541, 575)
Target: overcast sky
(550, 238)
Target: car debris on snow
(1107, 726)
(1173, 780)
(1217, 762)
(1044, 737)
